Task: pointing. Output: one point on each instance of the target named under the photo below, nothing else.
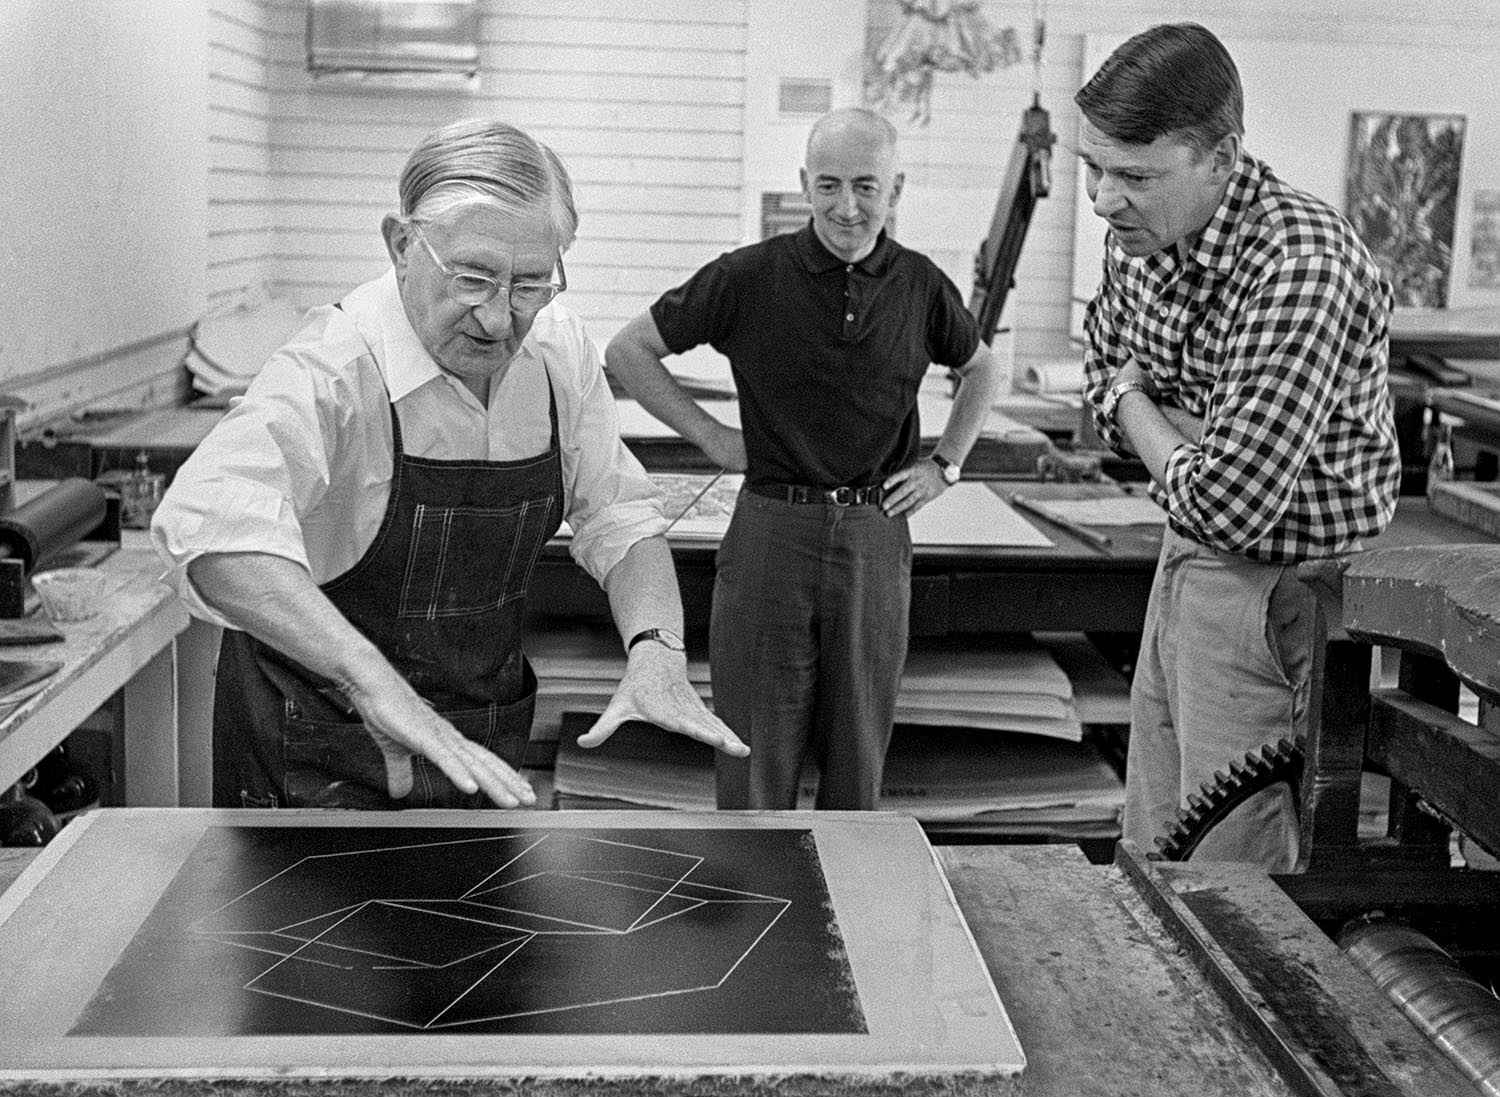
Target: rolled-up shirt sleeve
(612, 503)
(245, 486)
(1102, 357)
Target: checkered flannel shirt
(1274, 332)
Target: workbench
(1211, 978)
(1071, 586)
(1101, 999)
(142, 644)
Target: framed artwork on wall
(1401, 195)
(1484, 246)
(1300, 97)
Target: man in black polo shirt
(829, 332)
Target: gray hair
(483, 158)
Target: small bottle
(1440, 464)
(140, 494)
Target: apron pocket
(468, 560)
(332, 765)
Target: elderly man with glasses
(365, 520)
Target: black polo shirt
(827, 356)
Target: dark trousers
(808, 641)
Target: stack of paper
(1101, 695)
(996, 685)
(988, 732)
(639, 764)
(937, 774)
(950, 774)
(578, 666)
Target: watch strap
(666, 637)
(950, 471)
(1113, 394)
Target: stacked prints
(988, 733)
(578, 665)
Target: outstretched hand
(275, 600)
(402, 724)
(656, 689)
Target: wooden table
(143, 643)
(1070, 586)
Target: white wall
(242, 205)
(665, 114)
(955, 163)
(644, 103)
(166, 157)
(103, 189)
(1299, 98)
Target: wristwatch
(1120, 388)
(950, 471)
(663, 636)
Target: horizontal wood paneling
(241, 191)
(646, 105)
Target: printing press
(1371, 968)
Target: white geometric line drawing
(542, 923)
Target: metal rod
(1454, 1009)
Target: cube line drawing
(540, 922)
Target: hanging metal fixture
(934, 36)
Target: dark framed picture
(1401, 194)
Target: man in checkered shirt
(1237, 344)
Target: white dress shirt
(300, 467)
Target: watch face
(951, 473)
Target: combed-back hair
(481, 157)
(1175, 79)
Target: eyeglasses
(473, 290)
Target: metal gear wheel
(1211, 804)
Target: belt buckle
(841, 497)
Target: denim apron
(442, 593)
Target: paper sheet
(967, 514)
(972, 514)
(1116, 510)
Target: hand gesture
(402, 724)
(656, 689)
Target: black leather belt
(838, 497)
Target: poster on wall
(1484, 241)
(1401, 194)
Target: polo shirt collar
(819, 260)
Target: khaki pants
(1223, 670)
